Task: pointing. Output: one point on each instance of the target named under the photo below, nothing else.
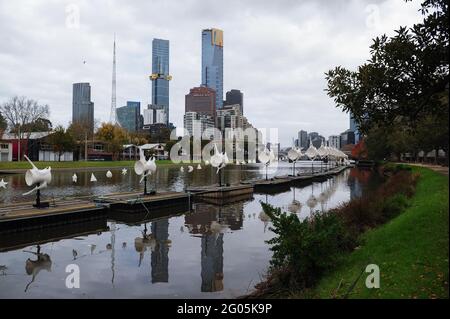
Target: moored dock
(21, 216)
(136, 202)
(221, 195)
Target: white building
(5, 151)
(154, 115)
(196, 123)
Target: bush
(394, 205)
(305, 249)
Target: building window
(4, 146)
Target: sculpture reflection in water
(33, 267)
(158, 243)
(210, 223)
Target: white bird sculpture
(42, 177)
(219, 160)
(74, 178)
(181, 169)
(93, 178)
(144, 168)
(109, 174)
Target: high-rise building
(235, 97)
(201, 100)
(347, 137)
(303, 139)
(354, 128)
(129, 116)
(212, 62)
(229, 117)
(334, 141)
(82, 107)
(155, 114)
(196, 123)
(160, 75)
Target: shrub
(305, 249)
(394, 205)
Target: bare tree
(19, 113)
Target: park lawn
(411, 250)
(77, 164)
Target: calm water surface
(208, 252)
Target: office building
(334, 141)
(160, 75)
(155, 114)
(129, 116)
(82, 107)
(196, 123)
(354, 128)
(303, 139)
(235, 97)
(212, 62)
(347, 137)
(229, 117)
(201, 100)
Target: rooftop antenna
(112, 118)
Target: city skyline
(276, 61)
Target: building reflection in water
(210, 223)
(158, 243)
(160, 253)
(33, 267)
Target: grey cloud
(276, 52)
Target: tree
(403, 82)
(3, 123)
(114, 136)
(62, 141)
(20, 112)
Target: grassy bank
(79, 164)
(411, 250)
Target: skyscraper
(303, 139)
(235, 97)
(354, 128)
(160, 75)
(82, 107)
(212, 62)
(201, 100)
(129, 116)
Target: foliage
(114, 136)
(411, 250)
(22, 114)
(3, 123)
(307, 248)
(61, 141)
(360, 150)
(303, 250)
(402, 86)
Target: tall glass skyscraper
(212, 62)
(129, 116)
(82, 107)
(160, 74)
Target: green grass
(411, 250)
(79, 164)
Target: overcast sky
(276, 52)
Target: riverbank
(410, 247)
(21, 167)
(411, 250)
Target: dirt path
(440, 169)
